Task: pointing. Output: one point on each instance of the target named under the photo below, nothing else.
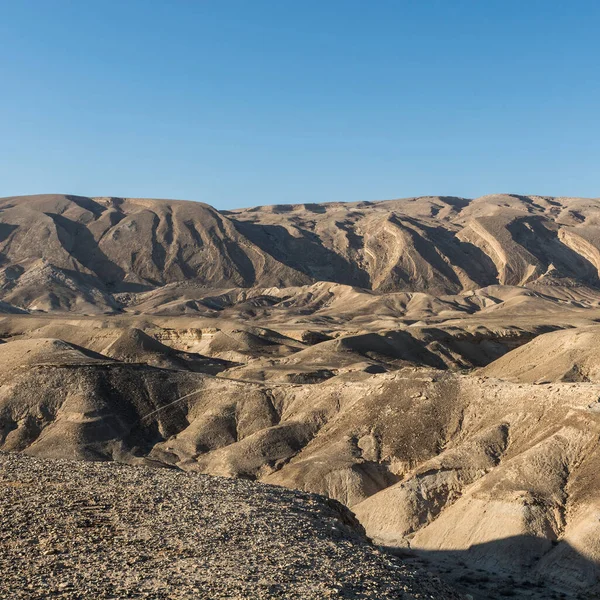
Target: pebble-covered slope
(102, 530)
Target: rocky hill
(89, 530)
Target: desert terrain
(430, 364)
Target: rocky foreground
(103, 530)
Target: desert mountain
(90, 254)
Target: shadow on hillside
(467, 256)
(5, 231)
(87, 204)
(549, 249)
(305, 254)
(518, 566)
(77, 239)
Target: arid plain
(432, 363)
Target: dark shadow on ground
(514, 567)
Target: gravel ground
(103, 530)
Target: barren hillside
(431, 363)
(70, 252)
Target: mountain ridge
(62, 252)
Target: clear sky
(245, 102)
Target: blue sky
(238, 103)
